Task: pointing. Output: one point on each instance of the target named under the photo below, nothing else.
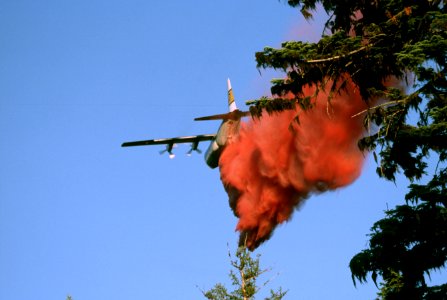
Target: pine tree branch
(337, 57)
(379, 105)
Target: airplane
(228, 130)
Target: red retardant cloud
(276, 162)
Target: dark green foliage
(383, 46)
(393, 38)
(409, 243)
(244, 280)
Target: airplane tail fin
(233, 114)
(231, 103)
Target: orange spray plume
(276, 163)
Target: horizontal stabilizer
(234, 115)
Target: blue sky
(80, 215)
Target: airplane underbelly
(227, 131)
(212, 155)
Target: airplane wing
(171, 141)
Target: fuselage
(228, 131)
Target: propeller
(168, 149)
(194, 147)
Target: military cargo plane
(228, 130)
